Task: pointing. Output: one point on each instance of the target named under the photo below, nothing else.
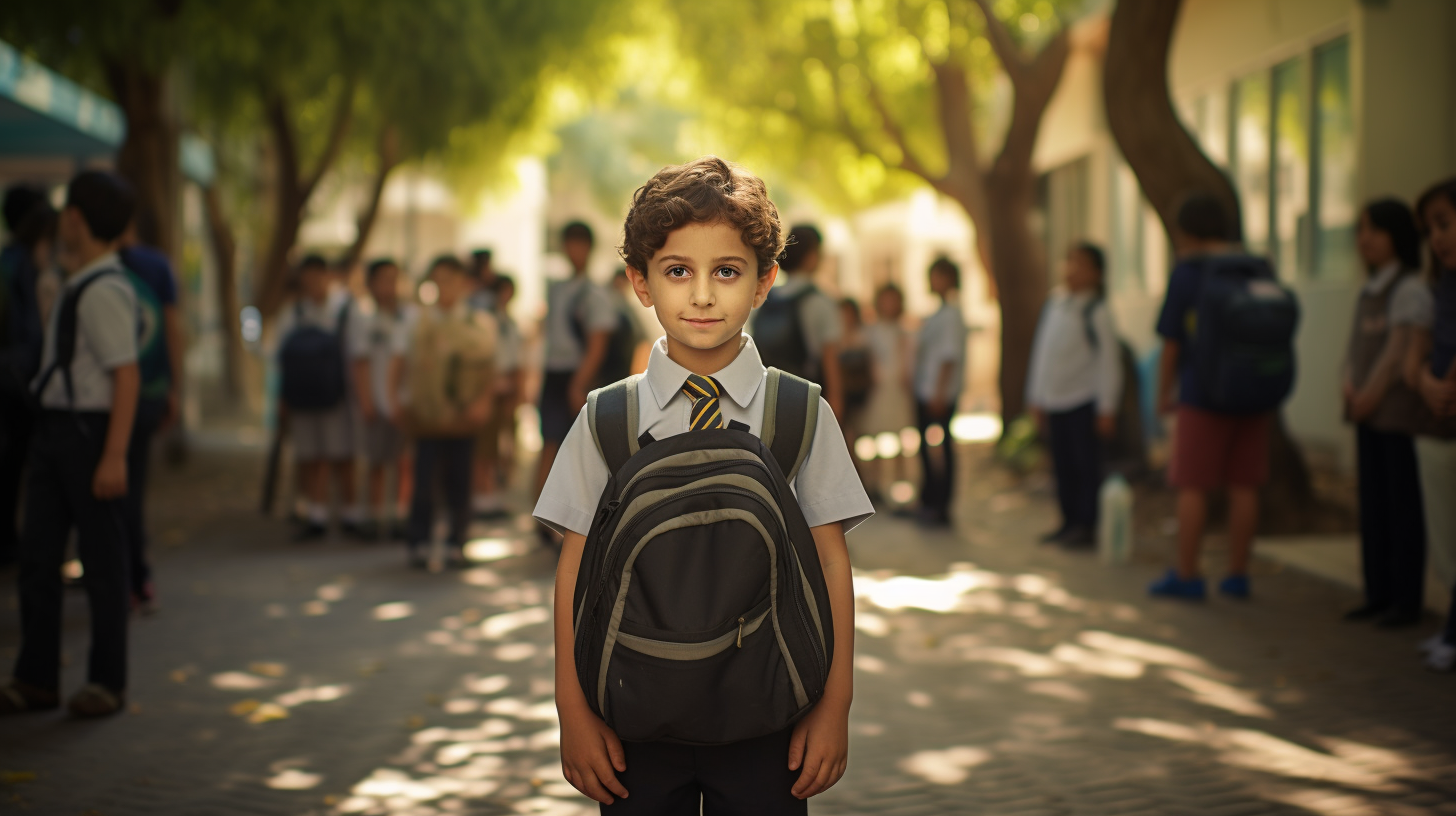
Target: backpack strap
(1087, 326)
(790, 416)
(343, 320)
(67, 326)
(611, 412)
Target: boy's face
(314, 283)
(578, 251)
(452, 284)
(703, 284)
(1079, 271)
(384, 286)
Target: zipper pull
(740, 633)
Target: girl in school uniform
(890, 407)
(1074, 387)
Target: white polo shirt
(107, 323)
(942, 340)
(827, 486)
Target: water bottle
(1114, 525)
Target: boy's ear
(639, 285)
(765, 283)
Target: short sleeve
(360, 326)
(1172, 323)
(1413, 304)
(827, 485)
(574, 487)
(599, 309)
(107, 319)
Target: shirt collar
(107, 261)
(1382, 278)
(739, 378)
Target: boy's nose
(702, 291)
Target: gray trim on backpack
(698, 519)
(669, 650)
(626, 391)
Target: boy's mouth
(702, 322)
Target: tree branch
(343, 116)
(1034, 88)
(275, 110)
(1013, 61)
(908, 162)
(389, 158)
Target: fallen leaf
(243, 708)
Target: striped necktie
(707, 414)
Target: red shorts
(1211, 450)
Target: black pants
(939, 485)
(449, 461)
(138, 457)
(749, 777)
(1392, 520)
(64, 454)
(16, 427)
(1077, 462)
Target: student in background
(31, 224)
(378, 342)
(1431, 370)
(1074, 386)
(798, 328)
(491, 470)
(451, 395)
(580, 320)
(856, 371)
(87, 390)
(1394, 303)
(629, 346)
(940, 370)
(316, 397)
(891, 404)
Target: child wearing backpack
(703, 604)
(315, 398)
(87, 391)
(1074, 387)
(799, 327)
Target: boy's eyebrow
(684, 258)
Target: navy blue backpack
(313, 368)
(1243, 338)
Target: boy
(1211, 450)
(451, 394)
(940, 370)
(315, 398)
(87, 390)
(703, 274)
(491, 468)
(378, 343)
(159, 358)
(808, 332)
(579, 323)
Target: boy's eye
(727, 272)
(677, 272)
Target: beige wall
(1217, 40)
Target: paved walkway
(994, 677)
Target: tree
(1169, 165)
(905, 85)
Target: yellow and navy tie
(707, 413)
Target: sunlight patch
(497, 626)
(395, 610)
(949, 767)
(492, 549)
(294, 779)
(1219, 695)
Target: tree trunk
(388, 160)
(1018, 266)
(225, 258)
(1169, 165)
(149, 157)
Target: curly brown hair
(704, 191)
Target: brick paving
(994, 677)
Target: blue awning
(45, 115)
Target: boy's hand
(576, 395)
(1107, 426)
(820, 745)
(592, 756)
(110, 479)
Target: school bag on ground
(451, 364)
(1243, 336)
(701, 611)
(778, 332)
(314, 374)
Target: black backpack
(1243, 339)
(66, 330)
(314, 371)
(621, 344)
(701, 612)
(778, 333)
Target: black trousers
(1077, 462)
(938, 488)
(64, 454)
(449, 462)
(16, 426)
(138, 458)
(1392, 520)
(749, 778)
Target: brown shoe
(19, 697)
(96, 700)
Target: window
(1289, 186)
(1212, 127)
(1249, 141)
(1332, 183)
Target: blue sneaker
(1235, 586)
(1171, 586)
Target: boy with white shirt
(940, 371)
(377, 345)
(701, 242)
(87, 390)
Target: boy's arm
(1167, 375)
(591, 361)
(820, 744)
(1385, 374)
(363, 387)
(110, 479)
(590, 751)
